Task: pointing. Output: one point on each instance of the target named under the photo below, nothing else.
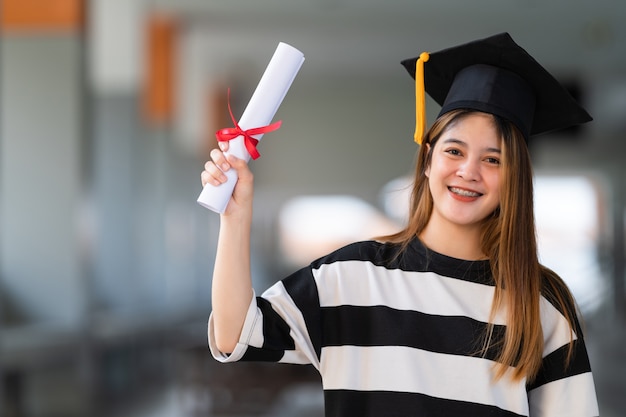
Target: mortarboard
(497, 76)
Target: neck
(453, 240)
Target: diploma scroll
(261, 108)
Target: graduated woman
(454, 315)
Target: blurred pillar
(159, 87)
(619, 247)
(41, 166)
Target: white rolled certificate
(261, 108)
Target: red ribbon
(230, 133)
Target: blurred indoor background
(108, 110)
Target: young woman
(453, 315)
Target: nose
(469, 170)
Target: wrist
(234, 222)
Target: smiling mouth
(464, 193)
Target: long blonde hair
(509, 241)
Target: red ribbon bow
(230, 133)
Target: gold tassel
(420, 98)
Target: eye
(492, 160)
(453, 151)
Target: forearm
(232, 284)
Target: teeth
(464, 193)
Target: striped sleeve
(282, 325)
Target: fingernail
(224, 166)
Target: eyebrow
(461, 143)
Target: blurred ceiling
(582, 42)
(575, 37)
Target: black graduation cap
(497, 76)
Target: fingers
(223, 145)
(220, 162)
(214, 169)
(220, 159)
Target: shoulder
(343, 259)
(367, 251)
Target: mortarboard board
(497, 76)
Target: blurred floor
(302, 400)
(204, 387)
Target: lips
(462, 192)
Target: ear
(427, 170)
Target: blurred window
(568, 214)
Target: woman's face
(464, 171)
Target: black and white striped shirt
(399, 335)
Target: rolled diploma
(261, 108)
